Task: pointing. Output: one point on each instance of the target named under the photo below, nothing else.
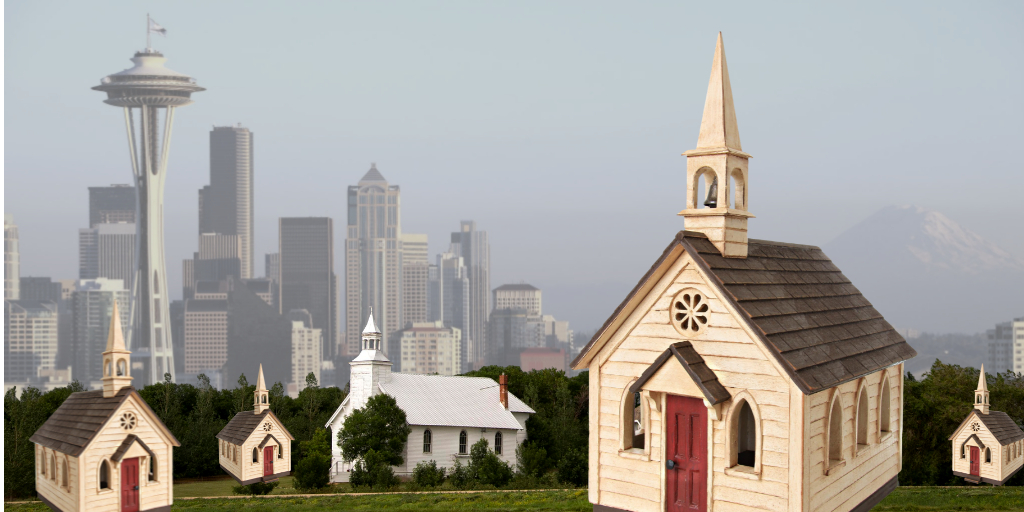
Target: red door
(686, 455)
(975, 461)
(130, 485)
(268, 461)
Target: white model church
(447, 414)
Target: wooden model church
(988, 446)
(254, 446)
(741, 374)
(106, 450)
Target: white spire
(981, 394)
(371, 328)
(115, 338)
(718, 128)
(261, 401)
(116, 358)
(261, 385)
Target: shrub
(531, 459)
(313, 472)
(572, 468)
(486, 467)
(427, 474)
(256, 489)
(373, 471)
(458, 476)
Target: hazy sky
(557, 126)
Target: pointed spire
(718, 128)
(981, 399)
(261, 385)
(115, 336)
(982, 383)
(373, 174)
(371, 328)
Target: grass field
(903, 499)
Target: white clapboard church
(447, 414)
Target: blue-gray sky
(557, 126)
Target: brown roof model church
(988, 446)
(106, 450)
(741, 374)
(255, 446)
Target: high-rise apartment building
(271, 266)
(306, 273)
(206, 335)
(1018, 345)
(92, 303)
(415, 273)
(30, 339)
(455, 295)
(107, 251)
(111, 205)
(472, 245)
(12, 259)
(307, 350)
(515, 296)
(428, 348)
(373, 258)
(226, 204)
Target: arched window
(633, 419)
(280, 452)
(743, 434)
(264, 398)
(152, 468)
(234, 453)
(53, 468)
(497, 443)
(42, 462)
(737, 190)
(705, 190)
(462, 442)
(862, 417)
(835, 431)
(122, 368)
(426, 441)
(963, 451)
(64, 474)
(255, 455)
(988, 455)
(746, 436)
(108, 368)
(104, 475)
(884, 407)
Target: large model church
(447, 414)
(741, 374)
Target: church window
(53, 468)
(835, 431)
(128, 421)
(426, 441)
(104, 475)
(988, 456)
(462, 442)
(497, 443)
(122, 368)
(884, 407)
(862, 417)
(743, 434)
(107, 368)
(152, 468)
(255, 455)
(737, 190)
(264, 398)
(634, 435)
(690, 312)
(64, 474)
(963, 451)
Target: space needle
(149, 93)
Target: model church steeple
(718, 159)
(981, 394)
(116, 358)
(260, 396)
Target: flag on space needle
(155, 27)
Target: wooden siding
(444, 447)
(52, 490)
(633, 480)
(867, 467)
(246, 468)
(998, 468)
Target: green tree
(380, 426)
(374, 471)
(486, 467)
(310, 400)
(198, 455)
(427, 474)
(313, 471)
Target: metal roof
(439, 400)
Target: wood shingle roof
(244, 423)
(694, 364)
(1000, 424)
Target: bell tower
(719, 159)
(981, 394)
(116, 358)
(261, 400)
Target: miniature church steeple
(261, 399)
(981, 394)
(718, 159)
(116, 358)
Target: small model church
(106, 450)
(255, 446)
(741, 374)
(447, 414)
(988, 446)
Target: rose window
(267, 427)
(975, 427)
(128, 421)
(689, 311)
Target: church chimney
(503, 393)
(719, 159)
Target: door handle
(671, 464)
(136, 488)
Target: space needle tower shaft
(149, 93)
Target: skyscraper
(475, 250)
(454, 277)
(226, 204)
(107, 250)
(12, 259)
(373, 258)
(92, 303)
(111, 205)
(30, 339)
(415, 274)
(307, 280)
(149, 93)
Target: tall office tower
(455, 300)
(272, 266)
(226, 204)
(257, 334)
(218, 259)
(373, 258)
(415, 272)
(92, 303)
(307, 350)
(475, 250)
(522, 295)
(30, 339)
(107, 250)
(41, 289)
(12, 259)
(45, 289)
(111, 205)
(206, 335)
(1000, 348)
(428, 348)
(149, 93)
(307, 280)
(435, 294)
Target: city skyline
(593, 150)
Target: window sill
(885, 436)
(743, 472)
(836, 466)
(633, 453)
(861, 449)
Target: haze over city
(557, 128)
